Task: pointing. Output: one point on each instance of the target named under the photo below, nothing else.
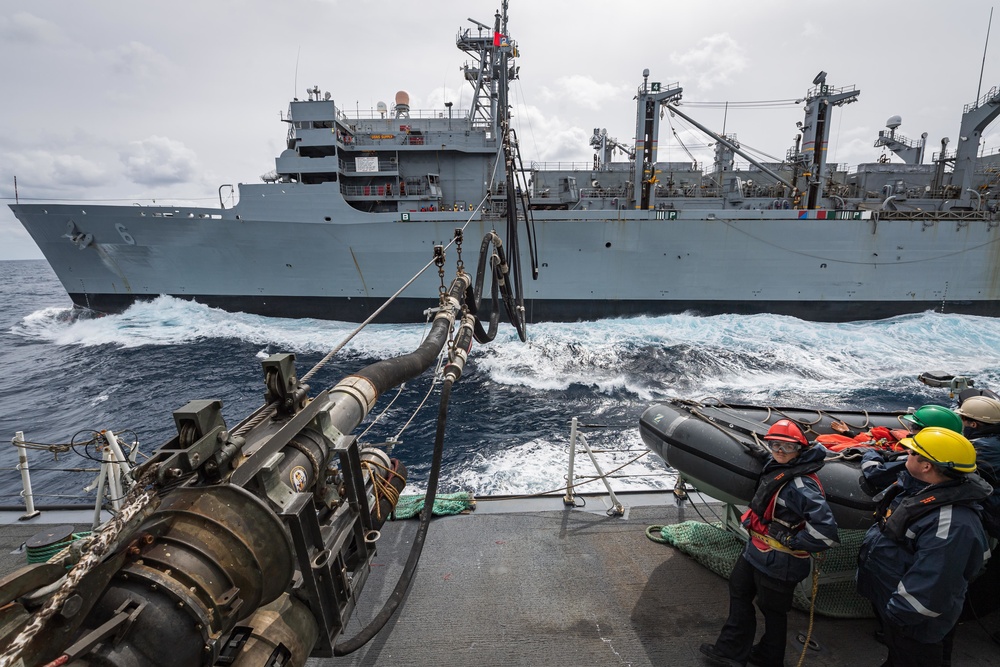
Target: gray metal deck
(531, 583)
(548, 586)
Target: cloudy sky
(126, 101)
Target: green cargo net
(444, 504)
(717, 549)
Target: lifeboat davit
(718, 449)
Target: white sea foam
(170, 321)
(757, 356)
(541, 466)
(616, 366)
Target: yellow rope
(812, 612)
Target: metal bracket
(117, 626)
(232, 647)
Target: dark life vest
(893, 521)
(761, 509)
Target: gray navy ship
(356, 205)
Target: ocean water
(509, 416)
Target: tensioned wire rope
(137, 499)
(267, 411)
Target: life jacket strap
(771, 543)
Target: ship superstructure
(356, 204)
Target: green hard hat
(935, 415)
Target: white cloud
(45, 169)
(138, 60)
(713, 62)
(159, 161)
(77, 170)
(29, 29)
(582, 90)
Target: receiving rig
(249, 546)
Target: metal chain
(439, 262)
(459, 264)
(95, 548)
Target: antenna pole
(295, 92)
(983, 66)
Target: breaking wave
(511, 411)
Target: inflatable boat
(718, 448)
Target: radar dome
(381, 107)
(403, 97)
(893, 122)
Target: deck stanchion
(616, 507)
(568, 498)
(22, 465)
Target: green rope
(43, 554)
(655, 533)
(444, 504)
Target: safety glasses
(782, 447)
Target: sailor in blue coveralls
(981, 421)
(788, 520)
(916, 562)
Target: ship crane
(975, 119)
(911, 152)
(605, 147)
(731, 146)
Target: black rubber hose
(395, 599)
(390, 373)
(475, 294)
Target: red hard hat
(786, 430)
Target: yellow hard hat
(943, 447)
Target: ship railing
(993, 92)
(824, 89)
(950, 216)
(113, 477)
(374, 115)
(603, 193)
(884, 137)
(392, 139)
(578, 439)
(562, 166)
(383, 192)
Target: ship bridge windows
(317, 151)
(313, 179)
(313, 124)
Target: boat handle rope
(820, 414)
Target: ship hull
(291, 260)
(413, 310)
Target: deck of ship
(542, 585)
(532, 583)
